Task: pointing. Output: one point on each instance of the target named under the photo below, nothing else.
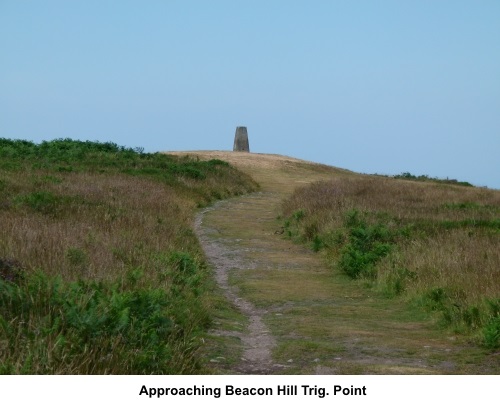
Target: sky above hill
(372, 86)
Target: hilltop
(276, 173)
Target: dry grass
(405, 200)
(274, 173)
(96, 225)
(111, 220)
(467, 265)
(444, 239)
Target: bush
(43, 202)
(366, 245)
(409, 176)
(491, 334)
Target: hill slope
(303, 314)
(100, 271)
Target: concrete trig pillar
(241, 140)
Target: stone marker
(241, 140)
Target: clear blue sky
(373, 86)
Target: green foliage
(472, 317)
(292, 225)
(43, 202)
(362, 244)
(76, 257)
(493, 224)
(122, 327)
(491, 334)
(317, 243)
(366, 245)
(65, 156)
(298, 215)
(184, 273)
(484, 317)
(494, 308)
(436, 299)
(491, 331)
(409, 176)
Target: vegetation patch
(51, 327)
(365, 246)
(112, 279)
(426, 178)
(433, 243)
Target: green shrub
(437, 299)
(298, 215)
(317, 243)
(366, 245)
(185, 273)
(491, 334)
(76, 256)
(43, 202)
(472, 317)
(409, 176)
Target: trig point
(241, 140)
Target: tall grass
(436, 244)
(112, 277)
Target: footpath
(299, 316)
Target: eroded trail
(301, 317)
(257, 340)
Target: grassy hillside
(435, 244)
(100, 270)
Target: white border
(124, 390)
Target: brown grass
(274, 173)
(454, 239)
(110, 219)
(402, 199)
(468, 266)
(101, 224)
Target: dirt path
(302, 318)
(257, 340)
